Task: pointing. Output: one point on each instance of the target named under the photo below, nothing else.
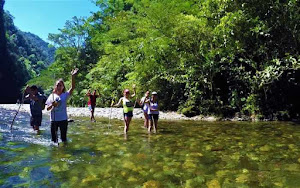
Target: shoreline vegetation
(117, 113)
(226, 58)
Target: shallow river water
(181, 154)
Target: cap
(154, 93)
(126, 90)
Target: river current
(181, 154)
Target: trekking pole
(11, 126)
(135, 102)
(55, 125)
(111, 105)
(112, 102)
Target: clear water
(182, 154)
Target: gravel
(116, 113)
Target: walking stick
(112, 102)
(55, 125)
(11, 126)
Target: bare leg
(146, 120)
(93, 117)
(155, 125)
(37, 128)
(127, 122)
(151, 125)
(125, 125)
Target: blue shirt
(36, 106)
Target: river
(181, 154)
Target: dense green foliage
(29, 51)
(46, 51)
(7, 66)
(203, 57)
(24, 56)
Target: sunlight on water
(182, 154)
(22, 131)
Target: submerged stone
(89, 179)
(132, 179)
(152, 184)
(213, 184)
(265, 148)
(242, 178)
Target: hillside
(47, 51)
(23, 57)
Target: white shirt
(153, 108)
(145, 105)
(59, 113)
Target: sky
(42, 17)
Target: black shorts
(35, 120)
(153, 116)
(128, 114)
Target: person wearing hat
(153, 112)
(128, 106)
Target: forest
(213, 57)
(23, 56)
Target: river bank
(115, 113)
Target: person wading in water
(57, 103)
(128, 106)
(92, 103)
(144, 103)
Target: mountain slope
(22, 57)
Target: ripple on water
(40, 173)
(16, 180)
(22, 131)
(182, 154)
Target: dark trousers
(63, 126)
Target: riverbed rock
(113, 113)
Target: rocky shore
(116, 113)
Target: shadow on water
(181, 154)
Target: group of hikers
(57, 104)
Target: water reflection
(181, 154)
(21, 130)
